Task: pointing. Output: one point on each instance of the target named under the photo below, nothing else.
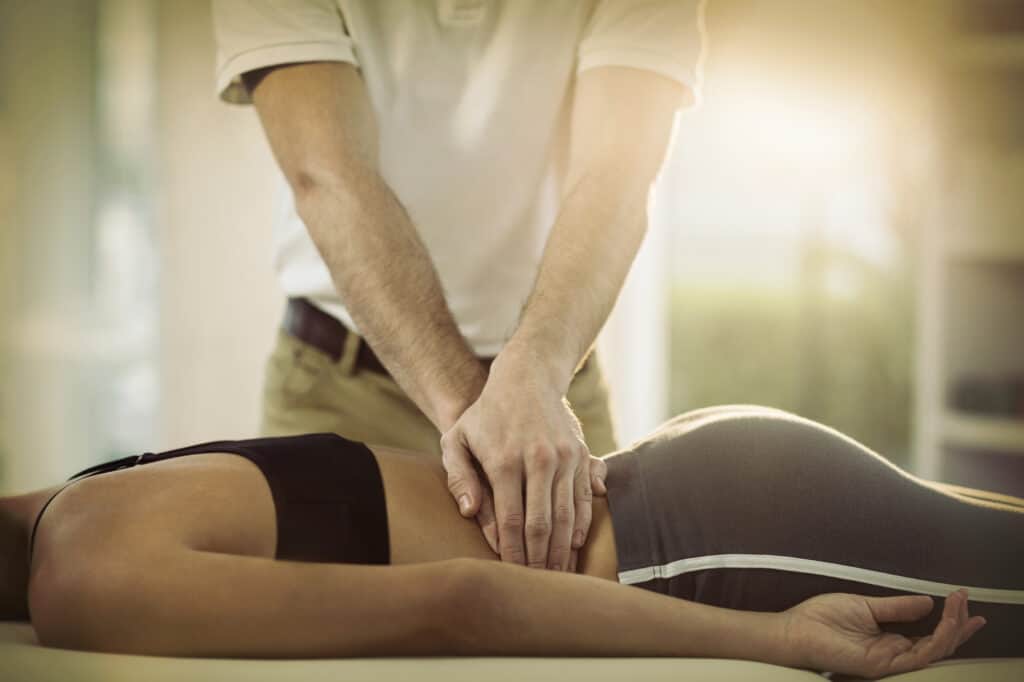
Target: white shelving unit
(971, 289)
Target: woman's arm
(183, 602)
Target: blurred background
(838, 231)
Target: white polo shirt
(472, 100)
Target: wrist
(453, 397)
(523, 358)
(765, 639)
(447, 412)
(780, 646)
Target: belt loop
(349, 353)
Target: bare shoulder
(103, 534)
(196, 500)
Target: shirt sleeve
(252, 34)
(663, 36)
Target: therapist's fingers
(583, 502)
(486, 519)
(563, 517)
(540, 466)
(598, 475)
(507, 488)
(463, 481)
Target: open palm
(842, 633)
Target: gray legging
(753, 508)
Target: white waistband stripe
(797, 565)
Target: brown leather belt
(306, 322)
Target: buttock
(760, 511)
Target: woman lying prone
(752, 534)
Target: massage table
(22, 658)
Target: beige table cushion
(21, 658)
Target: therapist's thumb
(463, 480)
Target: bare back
(221, 502)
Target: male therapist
(465, 186)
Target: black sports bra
(327, 490)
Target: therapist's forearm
(321, 127)
(391, 289)
(588, 254)
(621, 127)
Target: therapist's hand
(525, 439)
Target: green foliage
(843, 360)
(733, 345)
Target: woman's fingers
(962, 617)
(926, 649)
(973, 625)
(902, 609)
(954, 628)
(947, 632)
(969, 624)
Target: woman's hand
(841, 633)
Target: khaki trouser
(306, 391)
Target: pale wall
(219, 299)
